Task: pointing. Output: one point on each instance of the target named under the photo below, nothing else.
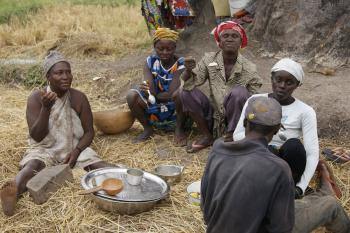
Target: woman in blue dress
(161, 79)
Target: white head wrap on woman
(292, 67)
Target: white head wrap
(292, 67)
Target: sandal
(338, 155)
(193, 148)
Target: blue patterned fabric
(162, 77)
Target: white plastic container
(195, 187)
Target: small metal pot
(170, 173)
(134, 176)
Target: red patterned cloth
(230, 25)
(180, 8)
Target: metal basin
(133, 199)
(170, 173)
(124, 207)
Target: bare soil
(328, 95)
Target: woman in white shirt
(299, 121)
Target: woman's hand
(144, 87)
(189, 63)
(48, 99)
(72, 158)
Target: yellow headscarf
(165, 34)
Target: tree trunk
(204, 12)
(196, 39)
(316, 31)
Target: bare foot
(147, 134)
(205, 140)
(8, 196)
(180, 138)
(327, 178)
(200, 144)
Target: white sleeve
(310, 139)
(239, 132)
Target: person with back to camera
(245, 188)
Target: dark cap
(263, 111)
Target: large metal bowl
(132, 199)
(123, 207)
(170, 173)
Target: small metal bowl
(170, 173)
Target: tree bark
(316, 31)
(313, 31)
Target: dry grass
(68, 212)
(80, 31)
(92, 31)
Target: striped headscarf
(230, 25)
(165, 34)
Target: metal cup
(134, 176)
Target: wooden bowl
(113, 121)
(112, 186)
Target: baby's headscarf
(230, 25)
(165, 34)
